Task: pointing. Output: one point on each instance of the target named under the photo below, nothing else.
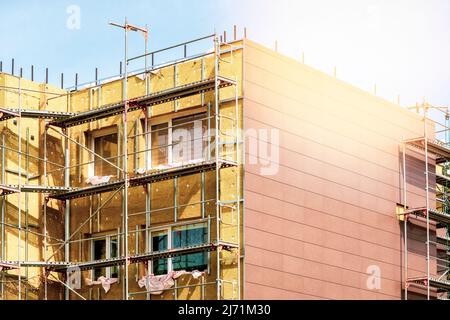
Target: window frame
(169, 122)
(91, 136)
(169, 230)
(107, 239)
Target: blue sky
(401, 45)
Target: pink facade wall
(328, 213)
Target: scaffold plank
(160, 97)
(442, 218)
(6, 114)
(10, 189)
(144, 257)
(144, 179)
(442, 285)
(5, 190)
(441, 151)
(6, 265)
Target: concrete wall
(315, 226)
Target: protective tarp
(169, 166)
(157, 284)
(98, 180)
(105, 282)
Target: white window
(160, 145)
(103, 142)
(178, 141)
(105, 248)
(189, 138)
(179, 237)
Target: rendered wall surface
(328, 213)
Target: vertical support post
(136, 145)
(66, 206)
(136, 248)
(125, 160)
(209, 131)
(427, 200)
(238, 188)
(175, 203)
(45, 211)
(27, 170)
(146, 62)
(217, 152)
(147, 233)
(19, 195)
(3, 199)
(405, 222)
(203, 78)
(209, 241)
(147, 197)
(203, 194)
(175, 83)
(119, 250)
(67, 184)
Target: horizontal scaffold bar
(442, 285)
(442, 218)
(140, 180)
(6, 114)
(10, 189)
(63, 266)
(152, 99)
(441, 151)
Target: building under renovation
(230, 173)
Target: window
(160, 243)
(105, 249)
(180, 237)
(189, 138)
(104, 143)
(159, 145)
(189, 236)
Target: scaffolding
(60, 122)
(434, 215)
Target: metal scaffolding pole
(67, 208)
(427, 200)
(27, 170)
(3, 210)
(19, 195)
(405, 223)
(217, 153)
(238, 189)
(45, 201)
(127, 27)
